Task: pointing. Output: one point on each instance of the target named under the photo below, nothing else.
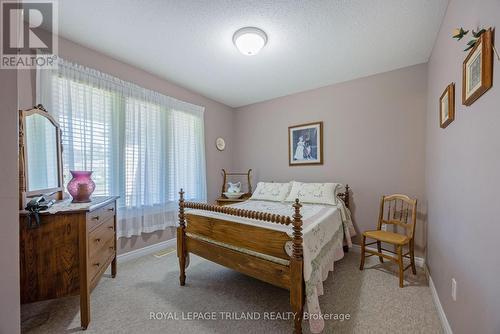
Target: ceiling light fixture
(249, 40)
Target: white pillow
(316, 193)
(271, 191)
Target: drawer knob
(98, 240)
(111, 247)
(95, 218)
(111, 227)
(97, 264)
(111, 209)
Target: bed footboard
(194, 230)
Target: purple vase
(81, 186)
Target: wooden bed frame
(258, 239)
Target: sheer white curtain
(140, 144)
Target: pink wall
(373, 138)
(462, 181)
(9, 223)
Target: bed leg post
(297, 292)
(346, 196)
(181, 240)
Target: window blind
(140, 145)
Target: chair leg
(412, 257)
(379, 249)
(400, 262)
(362, 264)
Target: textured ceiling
(311, 43)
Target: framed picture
(305, 144)
(447, 106)
(477, 75)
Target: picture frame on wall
(447, 106)
(477, 76)
(305, 144)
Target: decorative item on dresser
(81, 186)
(69, 252)
(225, 198)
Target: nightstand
(223, 200)
(226, 201)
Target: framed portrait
(477, 76)
(447, 106)
(305, 144)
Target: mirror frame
(57, 192)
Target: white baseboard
(146, 250)
(419, 261)
(439, 307)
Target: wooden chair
(395, 210)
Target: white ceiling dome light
(249, 40)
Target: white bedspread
(324, 229)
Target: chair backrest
(399, 210)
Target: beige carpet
(372, 298)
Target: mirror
(40, 155)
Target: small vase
(81, 186)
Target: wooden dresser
(69, 252)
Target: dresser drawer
(100, 260)
(101, 243)
(100, 237)
(96, 217)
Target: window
(140, 145)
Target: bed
(289, 245)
